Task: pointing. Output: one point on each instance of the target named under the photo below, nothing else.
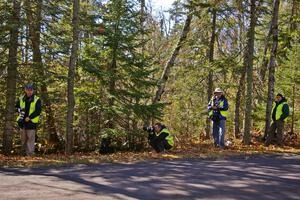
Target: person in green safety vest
(280, 112)
(29, 108)
(159, 137)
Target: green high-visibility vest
(31, 109)
(169, 138)
(279, 110)
(224, 113)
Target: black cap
(280, 95)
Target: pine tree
(123, 68)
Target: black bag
(216, 117)
(105, 146)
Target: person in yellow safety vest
(280, 112)
(29, 108)
(217, 112)
(159, 137)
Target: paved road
(258, 177)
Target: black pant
(158, 143)
(275, 133)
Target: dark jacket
(158, 137)
(217, 104)
(163, 135)
(38, 109)
(285, 110)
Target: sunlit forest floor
(200, 150)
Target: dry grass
(203, 150)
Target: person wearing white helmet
(218, 111)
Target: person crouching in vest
(159, 137)
(280, 112)
(217, 111)
(29, 108)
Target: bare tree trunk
(112, 81)
(241, 86)
(272, 65)
(248, 63)
(240, 90)
(294, 23)
(170, 63)
(264, 66)
(11, 78)
(71, 76)
(210, 74)
(294, 15)
(143, 16)
(34, 18)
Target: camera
(21, 115)
(148, 129)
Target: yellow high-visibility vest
(31, 109)
(224, 113)
(279, 110)
(169, 138)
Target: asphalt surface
(257, 177)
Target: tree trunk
(112, 81)
(34, 24)
(248, 63)
(293, 27)
(143, 19)
(210, 56)
(241, 86)
(143, 16)
(71, 76)
(11, 78)
(240, 90)
(170, 63)
(294, 15)
(293, 105)
(264, 66)
(272, 65)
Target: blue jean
(219, 132)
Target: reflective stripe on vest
(279, 111)
(169, 138)
(224, 113)
(31, 110)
